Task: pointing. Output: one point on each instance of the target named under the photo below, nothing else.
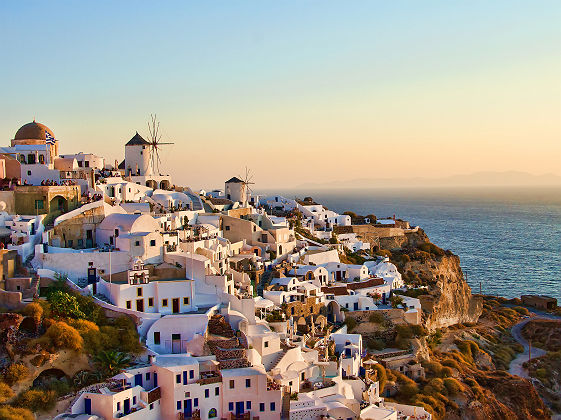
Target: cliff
(449, 300)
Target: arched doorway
(164, 184)
(152, 184)
(58, 202)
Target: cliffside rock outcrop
(449, 300)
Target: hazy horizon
(299, 92)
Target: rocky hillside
(448, 300)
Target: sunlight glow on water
(508, 239)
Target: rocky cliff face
(449, 300)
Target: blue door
(356, 306)
(187, 408)
(138, 379)
(239, 408)
(87, 406)
(155, 380)
(127, 406)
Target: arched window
(212, 413)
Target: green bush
(65, 305)
(382, 376)
(376, 344)
(431, 249)
(351, 323)
(7, 412)
(36, 400)
(376, 317)
(15, 373)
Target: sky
(297, 91)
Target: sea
(508, 239)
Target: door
(239, 408)
(138, 379)
(87, 406)
(140, 305)
(127, 406)
(175, 305)
(187, 408)
(176, 343)
(355, 306)
(155, 380)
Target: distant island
(476, 179)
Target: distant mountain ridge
(476, 179)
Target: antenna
(155, 140)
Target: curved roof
(33, 131)
(137, 140)
(234, 179)
(130, 222)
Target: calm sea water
(509, 239)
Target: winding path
(516, 367)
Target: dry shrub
(34, 310)
(36, 400)
(453, 386)
(7, 412)
(5, 392)
(60, 335)
(15, 373)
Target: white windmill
(155, 141)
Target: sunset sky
(299, 91)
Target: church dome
(33, 131)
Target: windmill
(155, 140)
(246, 182)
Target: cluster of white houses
(187, 266)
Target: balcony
(209, 377)
(154, 395)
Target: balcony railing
(154, 395)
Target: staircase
(277, 359)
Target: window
(195, 402)
(80, 243)
(147, 376)
(303, 377)
(248, 405)
(133, 400)
(118, 406)
(116, 233)
(217, 391)
(212, 413)
(179, 405)
(164, 302)
(156, 337)
(231, 406)
(191, 374)
(153, 242)
(152, 406)
(150, 301)
(139, 292)
(39, 205)
(231, 384)
(86, 164)
(273, 406)
(207, 393)
(70, 243)
(247, 383)
(42, 159)
(178, 378)
(30, 159)
(129, 304)
(226, 227)
(136, 243)
(266, 344)
(186, 301)
(187, 394)
(261, 407)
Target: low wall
(10, 300)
